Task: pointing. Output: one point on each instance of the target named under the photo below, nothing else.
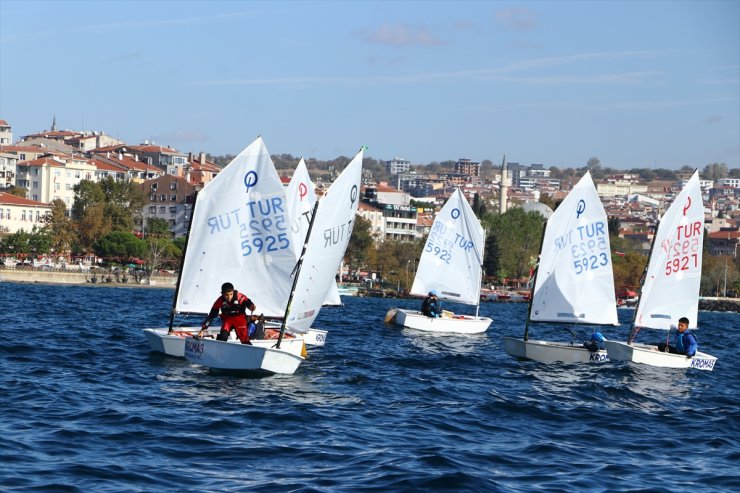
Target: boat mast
(297, 272)
(182, 262)
(534, 283)
(634, 330)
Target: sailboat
(670, 287)
(326, 241)
(301, 197)
(574, 281)
(238, 233)
(451, 263)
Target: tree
(359, 244)
(39, 241)
(157, 226)
(518, 234)
(120, 244)
(479, 206)
(17, 191)
(63, 235)
(715, 171)
(546, 199)
(614, 225)
(492, 257)
(122, 200)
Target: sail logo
(250, 179)
(302, 191)
(688, 204)
(455, 213)
(580, 208)
(352, 196)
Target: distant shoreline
(77, 278)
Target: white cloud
(401, 35)
(517, 18)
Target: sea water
(86, 406)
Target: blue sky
(635, 84)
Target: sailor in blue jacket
(432, 307)
(685, 340)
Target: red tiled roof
(4, 123)
(724, 235)
(41, 162)
(10, 199)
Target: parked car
(46, 267)
(24, 265)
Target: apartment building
(54, 176)
(170, 198)
(6, 133)
(18, 213)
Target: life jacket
(233, 307)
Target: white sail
(332, 297)
(575, 280)
(301, 196)
(453, 254)
(240, 233)
(671, 286)
(328, 241)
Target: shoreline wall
(86, 278)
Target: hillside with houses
(55, 175)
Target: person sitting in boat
(685, 340)
(233, 306)
(595, 343)
(432, 307)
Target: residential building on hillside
(53, 176)
(18, 213)
(397, 165)
(728, 182)
(725, 242)
(170, 198)
(48, 145)
(384, 194)
(621, 185)
(8, 169)
(164, 158)
(467, 167)
(6, 133)
(375, 216)
(25, 152)
(418, 185)
(202, 171)
(134, 170)
(400, 222)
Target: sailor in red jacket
(233, 307)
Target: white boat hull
(460, 324)
(234, 356)
(552, 352)
(315, 337)
(173, 344)
(649, 355)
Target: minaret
(503, 187)
(54, 124)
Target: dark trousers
(663, 347)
